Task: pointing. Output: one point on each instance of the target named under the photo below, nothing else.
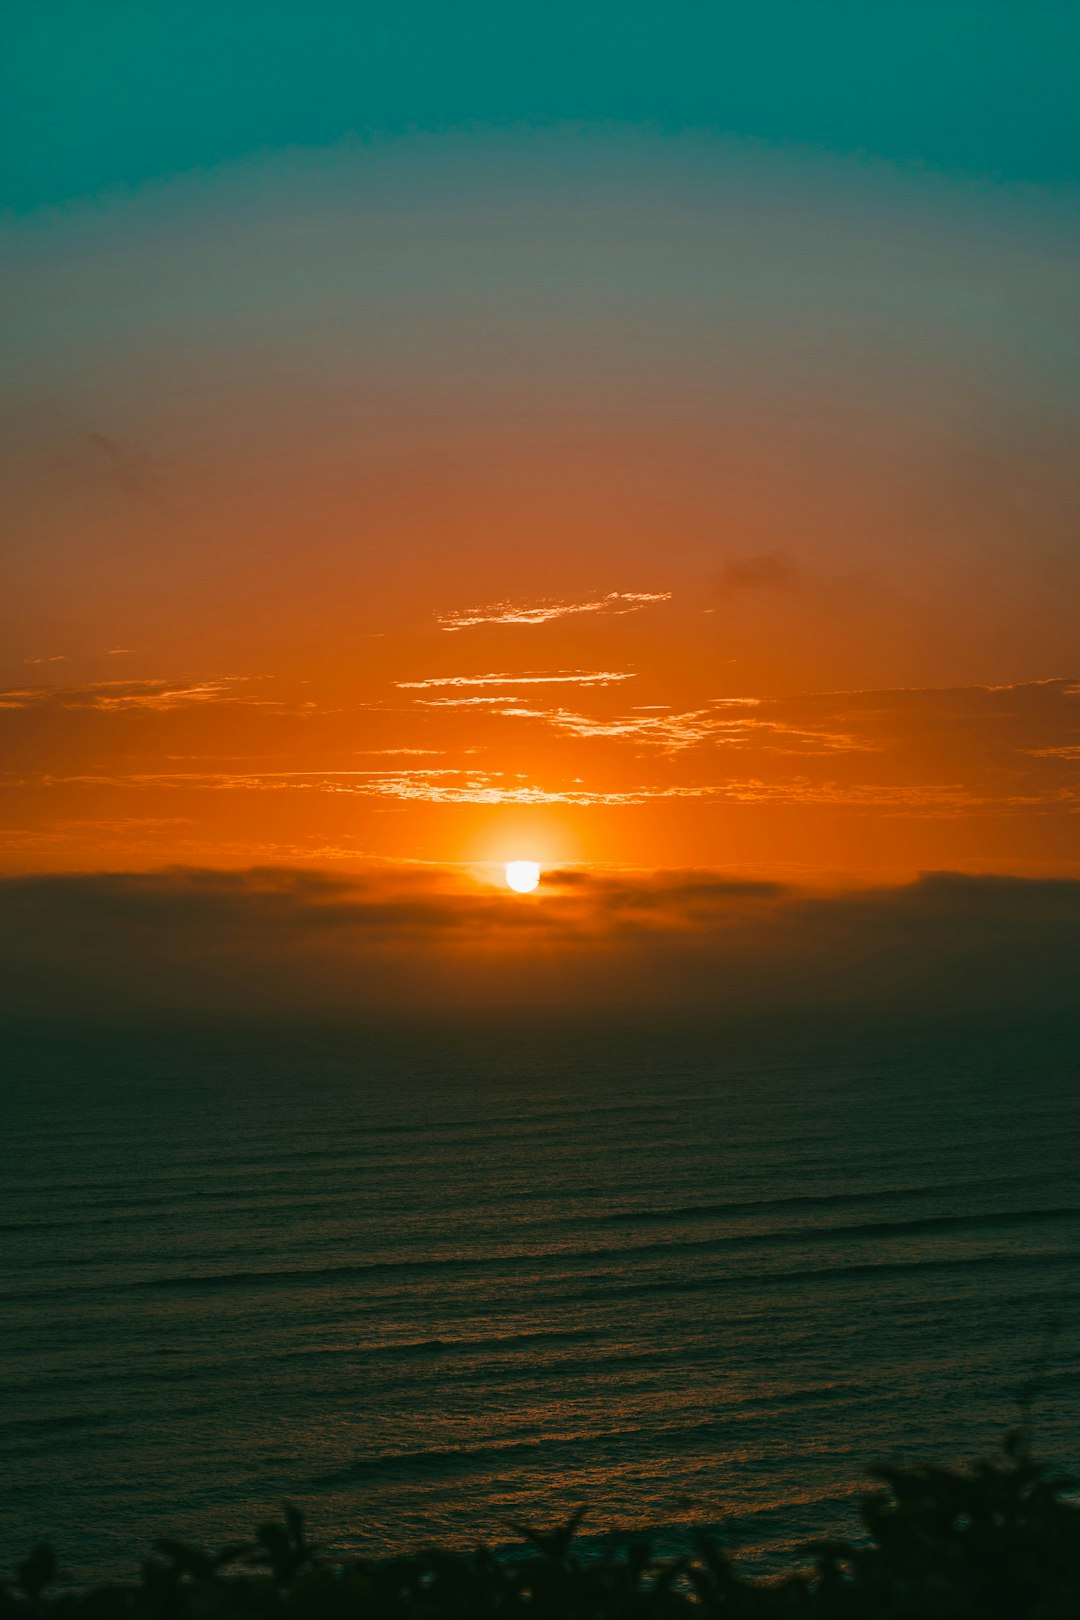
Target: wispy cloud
(559, 677)
(488, 789)
(673, 732)
(1007, 750)
(431, 786)
(103, 459)
(615, 602)
(55, 658)
(466, 702)
(112, 696)
(986, 726)
(457, 785)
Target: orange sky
(618, 500)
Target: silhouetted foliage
(998, 1541)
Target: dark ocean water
(424, 1284)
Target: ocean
(426, 1282)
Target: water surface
(423, 1283)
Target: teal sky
(339, 321)
(102, 94)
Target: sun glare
(522, 875)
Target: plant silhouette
(997, 1541)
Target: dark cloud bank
(947, 947)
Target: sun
(522, 875)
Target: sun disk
(522, 875)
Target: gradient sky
(636, 435)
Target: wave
(518, 1260)
(767, 1279)
(553, 1451)
(764, 1206)
(257, 1200)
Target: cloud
(761, 571)
(561, 677)
(56, 658)
(1000, 743)
(779, 576)
(114, 696)
(1004, 750)
(102, 459)
(466, 702)
(615, 602)
(947, 946)
(457, 785)
(55, 838)
(422, 784)
(671, 733)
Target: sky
(638, 438)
